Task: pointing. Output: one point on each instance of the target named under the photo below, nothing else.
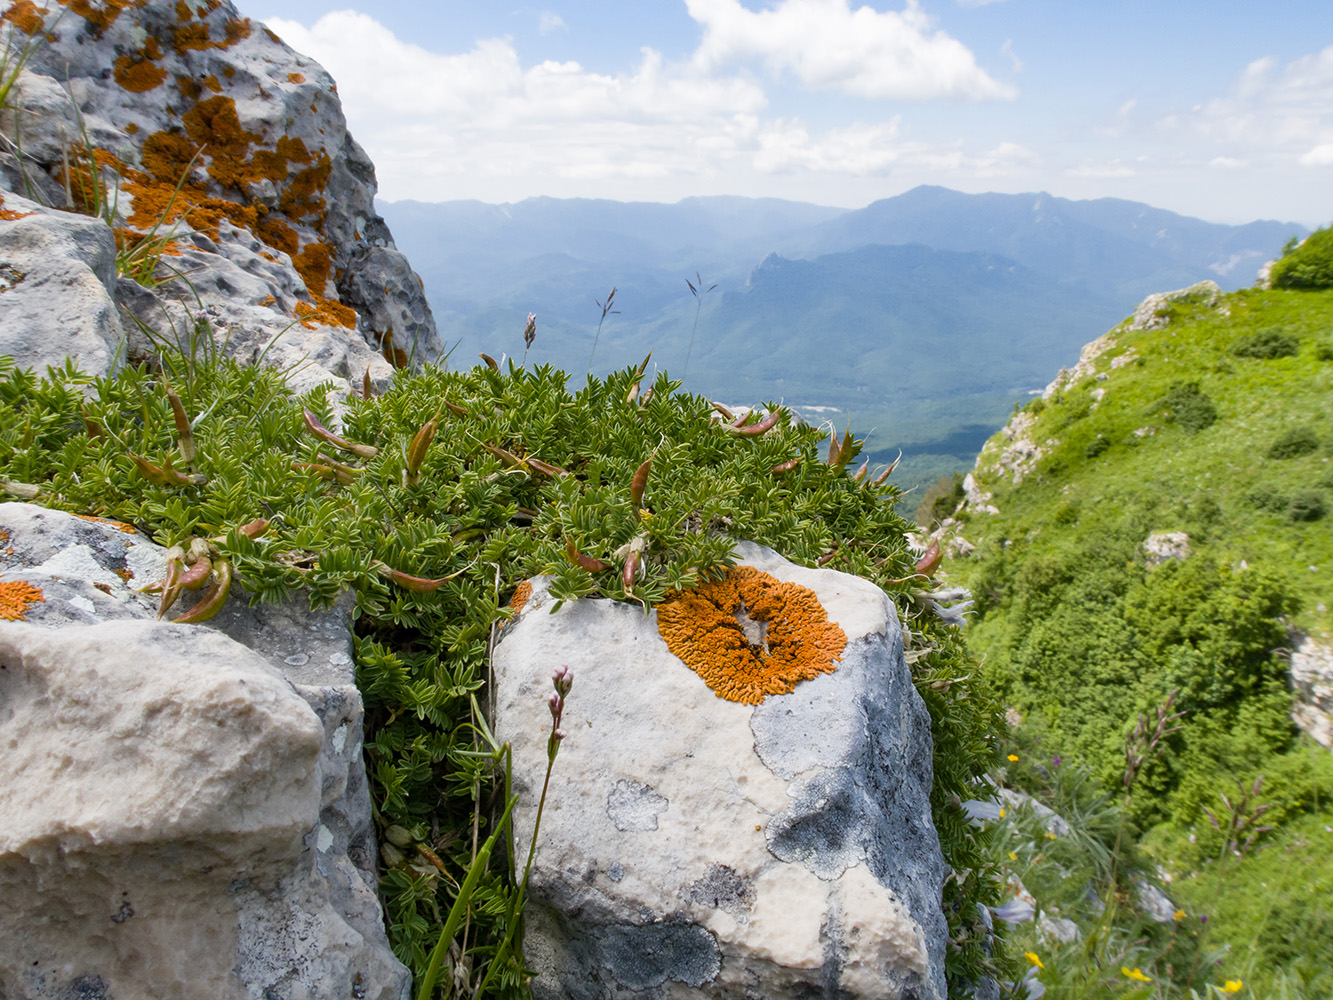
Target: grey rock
(263, 718)
(1152, 313)
(1166, 546)
(1312, 682)
(57, 296)
(693, 846)
(308, 186)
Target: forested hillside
(1146, 544)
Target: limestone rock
(695, 846)
(1166, 546)
(1312, 681)
(57, 289)
(273, 226)
(186, 807)
(1151, 313)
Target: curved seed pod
(345, 474)
(643, 366)
(545, 468)
(585, 562)
(430, 856)
(184, 432)
(929, 562)
(419, 584)
(214, 597)
(416, 451)
(170, 584)
(326, 435)
(255, 528)
(323, 471)
(630, 572)
(861, 472)
(889, 471)
(754, 430)
(366, 390)
(91, 426)
(454, 408)
(633, 393)
(491, 363)
(197, 575)
(508, 457)
(165, 474)
(726, 414)
(787, 466)
(638, 484)
(827, 557)
(646, 397)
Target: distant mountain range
(923, 317)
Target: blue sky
(1210, 109)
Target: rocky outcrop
(186, 808)
(191, 133)
(1312, 682)
(1153, 313)
(697, 845)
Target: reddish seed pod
(214, 597)
(585, 562)
(861, 472)
(788, 465)
(454, 408)
(754, 430)
(638, 484)
(504, 455)
(929, 562)
(324, 434)
(726, 414)
(255, 528)
(366, 390)
(545, 468)
(630, 573)
(416, 451)
(197, 575)
(889, 471)
(491, 363)
(827, 557)
(419, 584)
(184, 432)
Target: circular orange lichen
(137, 73)
(16, 597)
(750, 635)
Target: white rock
(186, 813)
(57, 285)
(1165, 546)
(1312, 681)
(693, 846)
(1151, 313)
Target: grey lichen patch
(634, 807)
(722, 888)
(824, 829)
(644, 957)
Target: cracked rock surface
(697, 847)
(185, 808)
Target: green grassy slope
(1218, 425)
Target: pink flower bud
(563, 679)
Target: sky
(1210, 108)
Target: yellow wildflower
(1137, 974)
(1013, 756)
(1178, 915)
(1001, 812)
(1032, 957)
(1013, 856)
(1232, 986)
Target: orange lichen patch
(295, 78)
(314, 265)
(16, 597)
(101, 15)
(276, 233)
(131, 128)
(211, 82)
(25, 16)
(304, 193)
(213, 123)
(191, 34)
(137, 73)
(272, 163)
(118, 525)
(183, 11)
(750, 635)
(272, 37)
(9, 215)
(267, 300)
(520, 599)
(228, 71)
(326, 311)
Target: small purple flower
(1055, 762)
(1203, 918)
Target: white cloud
(548, 21)
(1227, 162)
(1274, 109)
(1007, 49)
(977, 3)
(1320, 156)
(1105, 171)
(881, 55)
(480, 123)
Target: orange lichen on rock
(295, 78)
(25, 16)
(520, 599)
(16, 597)
(749, 635)
(137, 72)
(101, 15)
(8, 214)
(129, 529)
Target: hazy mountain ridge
(880, 321)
